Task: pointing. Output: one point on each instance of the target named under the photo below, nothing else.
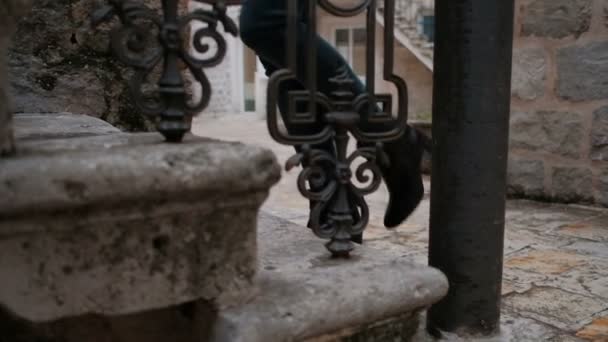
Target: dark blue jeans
(263, 29)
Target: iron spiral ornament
(145, 39)
(329, 179)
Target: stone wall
(10, 11)
(559, 121)
(59, 63)
(419, 79)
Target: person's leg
(263, 28)
(284, 89)
(283, 96)
(328, 145)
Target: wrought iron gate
(339, 211)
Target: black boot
(403, 177)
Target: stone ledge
(128, 223)
(145, 170)
(305, 294)
(59, 125)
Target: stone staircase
(406, 32)
(96, 221)
(304, 295)
(108, 236)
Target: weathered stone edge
(304, 293)
(314, 307)
(48, 183)
(39, 126)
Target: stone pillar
(10, 11)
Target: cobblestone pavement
(555, 285)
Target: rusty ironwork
(339, 212)
(144, 39)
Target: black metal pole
(472, 77)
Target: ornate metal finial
(144, 39)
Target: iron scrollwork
(144, 39)
(339, 211)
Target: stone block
(59, 125)
(557, 18)
(529, 73)
(582, 71)
(572, 184)
(599, 135)
(113, 225)
(555, 132)
(525, 177)
(304, 294)
(553, 306)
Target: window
(427, 27)
(351, 43)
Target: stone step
(36, 126)
(303, 294)
(118, 223)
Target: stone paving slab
(545, 261)
(556, 256)
(520, 239)
(595, 229)
(556, 307)
(597, 330)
